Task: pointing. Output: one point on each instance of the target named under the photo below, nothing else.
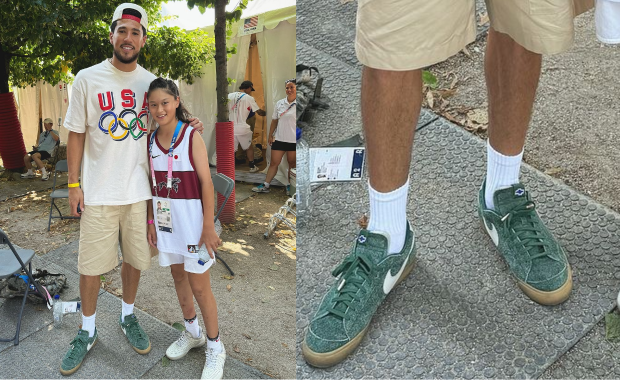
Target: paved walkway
(459, 314)
(42, 346)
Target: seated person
(43, 151)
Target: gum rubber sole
(71, 371)
(329, 359)
(554, 297)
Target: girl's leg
(291, 157)
(184, 290)
(276, 158)
(201, 288)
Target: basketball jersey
(185, 195)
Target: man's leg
(389, 126)
(536, 259)
(29, 173)
(136, 258)
(512, 74)
(37, 158)
(276, 158)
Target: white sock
(43, 171)
(215, 345)
(127, 310)
(502, 172)
(192, 327)
(388, 213)
(30, 171)
(88, 324)
(266, 185)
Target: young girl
(183, 193)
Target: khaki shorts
(401, 35)
(99, 238)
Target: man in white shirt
(240, 105)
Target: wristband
(150, 221)
(77, 184)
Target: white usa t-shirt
(110, 106)
(286, 114)
(239, 106)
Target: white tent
(275, 50)
(39, 102)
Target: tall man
(43, 150)
(240, 105)
(395, 40)
(107, 119)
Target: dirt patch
(24, 220)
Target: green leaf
(102, 278)
(429, 79)
(165, 362)
(178, 326)
(612, 327)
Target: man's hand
(76, 197)
(261, 113)
(196, 124)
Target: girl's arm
(201, 165)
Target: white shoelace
(183, 340)
(211, 358)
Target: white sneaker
(45, 177)
(214, 365)
(27, 175)
(254, 169)
(185, 343)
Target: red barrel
(225, 149)
(12, 148)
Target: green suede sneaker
(365, 278)
(80, 345)
(534, 257)
(136, 336)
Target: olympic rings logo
(127, 128)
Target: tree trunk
(220, 60)
(4, 71)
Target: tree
(47, 39)
(219, 30)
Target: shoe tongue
(372, 243)
(507, 199)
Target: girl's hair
(171, 88)
(293, 81)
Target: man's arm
(261, 112)
(55, 135)
(75, 151)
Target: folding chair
(12, 262)
(224, 185)
(61, 166)
(53, 159)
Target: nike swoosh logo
(156, 156)
(492, 231)
(390, 281)
(88, 347)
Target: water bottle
(57, 311)
(203, 255)
(303, 181)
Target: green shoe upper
(136, 336)
(365, 277)
(79, 347)
(529, 248)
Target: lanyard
(289, 107)
(170, 155)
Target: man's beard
(120, 57)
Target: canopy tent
(268, 63)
